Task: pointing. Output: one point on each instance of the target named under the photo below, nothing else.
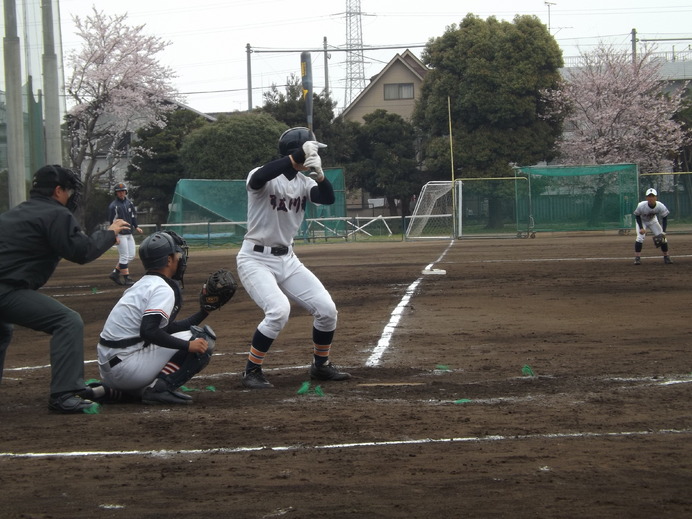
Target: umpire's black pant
(40, 312)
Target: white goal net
(436, 210)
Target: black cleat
(255, 379)
(127, 280)
(328, 371)
(70, 403)
(667, 260)
(115, 277)
(151, 396)
(637, 261)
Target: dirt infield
(543, 377)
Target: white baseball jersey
(276, 210)
(137, 365)
(649, 214)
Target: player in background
(268, 268)
(123, 208)
(34, 236)
(646, 214)
(143, 352)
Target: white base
(439, 272)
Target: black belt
(114, 361)
(274, 251)
(122, 343)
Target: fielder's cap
(651, 191)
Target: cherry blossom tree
(116, 86)
(618, 110)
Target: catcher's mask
(293, 139)
(49, 177)
(156, 248)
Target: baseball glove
(217, 290)
(659, 240)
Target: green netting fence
(577, 198)
(551, 198)
(215, 211)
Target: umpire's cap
(293, 140)
(47, 178)
(651, 191)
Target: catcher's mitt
(659, 240)
(217, 290)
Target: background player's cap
(651, 191)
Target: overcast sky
(209, 37)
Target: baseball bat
(306, 78)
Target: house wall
(374, 98)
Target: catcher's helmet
(47, 178)
(120, 187)
(293, 139)
(156, 248)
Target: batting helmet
(156, 248)
(47, 178)
(293, 139)
(120, 187)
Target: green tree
(289, 107)
(155, 172)
(232, 146)
(387, 167)
(489, 76)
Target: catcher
(646, 214)
(143, 352)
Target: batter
(268, 268)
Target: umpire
(34, 236)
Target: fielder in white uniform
(647, 214)
(268, 268)
(143, 352)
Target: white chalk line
(168, 453)
(389, 329)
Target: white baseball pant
(138, 366)
(274, 281)
(126, 248)
(652, 226)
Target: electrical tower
(355, 63)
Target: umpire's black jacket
(36, 234)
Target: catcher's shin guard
(189, 364)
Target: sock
(258, 350)
(322, 343)
(321, 353)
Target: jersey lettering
(294, 204)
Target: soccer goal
(436, 210)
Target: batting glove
(314, 163)
(312, 147)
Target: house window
(398, 91)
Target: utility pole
(326, 67)
(248, 49)
(549, 4)
(634, 46)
